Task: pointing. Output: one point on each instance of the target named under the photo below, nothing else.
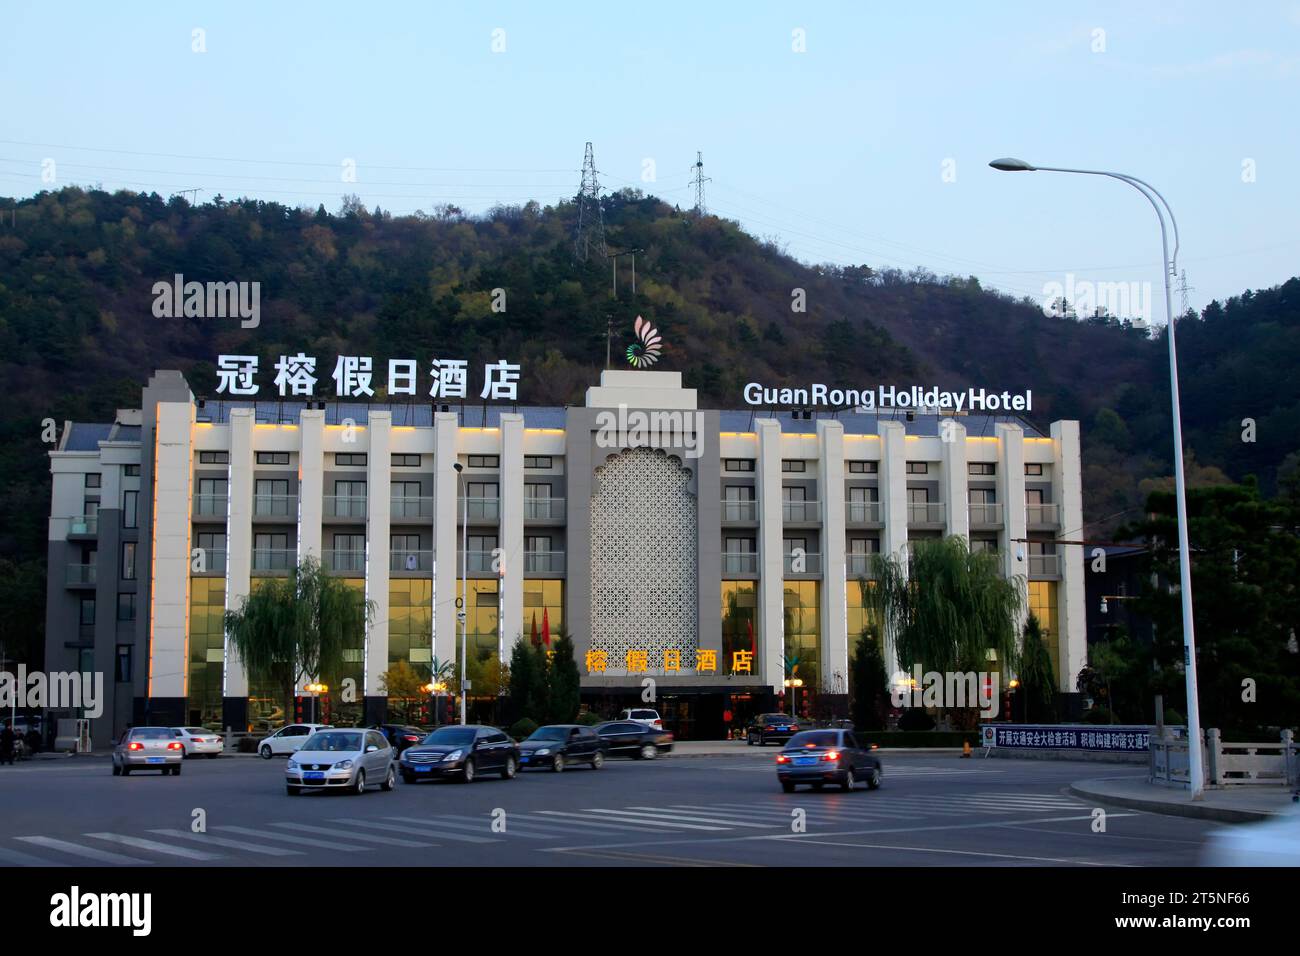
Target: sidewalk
(1235, 805)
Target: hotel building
(735, 533)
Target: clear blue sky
(838, 152)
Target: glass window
(794, 465)
(982, 496)
(349, 460)
(126, 607)
(130, 507)
(406, 461)
(864, 467)
(128, 560)
(738, 493)
(738, 464)
(214, 458)
(863, 495)
(814, 738)
(794, 493)
(1036, 469)
(918, 468)
(123, 674)
(918, 496)
(1033, 496)
(93, 479)
(273, 458)
(87, 611)
(484, 461)
(981, 468)
(537, 490)
(132, 471)
(481, 489)
(537, 461)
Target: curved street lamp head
(457, 465)
(1009, 165)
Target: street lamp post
(462, 613)
(1195, 772)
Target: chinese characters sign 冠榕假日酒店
(296, 376)
(638, 662)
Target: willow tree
(945, 607)
(295, 628)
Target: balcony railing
(543, 509)
(345, 506)
(739, 509)
(858, 565)
(408, 507)
(475, 562)
(1044, 565)
(925, 512)
(211, 506)
(862, 512)
(800, 511)
(214, 562)
(734, 562)
(414, 561)
(81, 575)
(275, 506)
(481, 509)
(985, 514)
(344, 562)
(543, 562)
(77, 526)
(807, 563)
(1043, 514)
(274, 559)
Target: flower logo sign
(649, 344)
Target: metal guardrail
(801, 511)
(544, 562)
(1043, 514)
(739, 562)
(543, 509)
(739, 509)
(862, 512)
(985, 514)
(926, 512)
(810, 562)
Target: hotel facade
(717, 554)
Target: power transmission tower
(591, 218)
(698, 182)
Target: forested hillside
(78, 336)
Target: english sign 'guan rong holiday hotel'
(705, 550)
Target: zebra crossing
(297, 840)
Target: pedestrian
(7, 745)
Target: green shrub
(590, 719)
(914, 718)
(1098, 715)
(523, 727)
(1173, 718)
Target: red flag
(546, 626)
(534, 629)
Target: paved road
(930, 810)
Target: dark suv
(558, 745)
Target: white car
(288, 739)
(349, 759)
(643, 715)
(196, 740)
(1273, 842)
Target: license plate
(313, 775)
(156, 759)
(523, 760)
(423, 769)
(805, 761)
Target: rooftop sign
(890, 396)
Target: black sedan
(773, 727)
(627, 738)
(559, 745)
(462, 752)
(819, 757)
(400, 736)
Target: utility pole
(613, 256)
(590, 236)
(698, 181)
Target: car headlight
(543, 751)
(454, 755)
(292, 764)
(343, 765)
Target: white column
(378, 505)
(771, 581)
(511, 531)
(311, 481)
(239, 537)
(893, 497)
(170, 575)
(1011, 492)
(1071, 601)
(952, 445)
(446, 508)
(835, 639)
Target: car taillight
(410, 739)
(794, 726)
(173, 746)
(659, 724)
(831, 755)
(769, 728)
(782, 758)
(135, 745)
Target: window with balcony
(348, 555)
(918, 467)
(211, 499)
(738, 503)
(739, 555)
(485, 461)
(214, 458)
(271, 552)
(350, 459)
(349, 500)
(795, 505)
(862, 505)
(537, 461)
(481, 500)
(212, 546)
(794, 464)
(405, 461)
(271, 497)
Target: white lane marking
(426, 828)
(350, 835)
(645, 826)
(668, 814)
(228, 843)
(18, 858)
(926, 849)
(588, 823)
(297, 840)
(481, 825)
(650, 820)
(153, 846)
(76, 849)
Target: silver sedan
(339, 759)
(148, 748)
